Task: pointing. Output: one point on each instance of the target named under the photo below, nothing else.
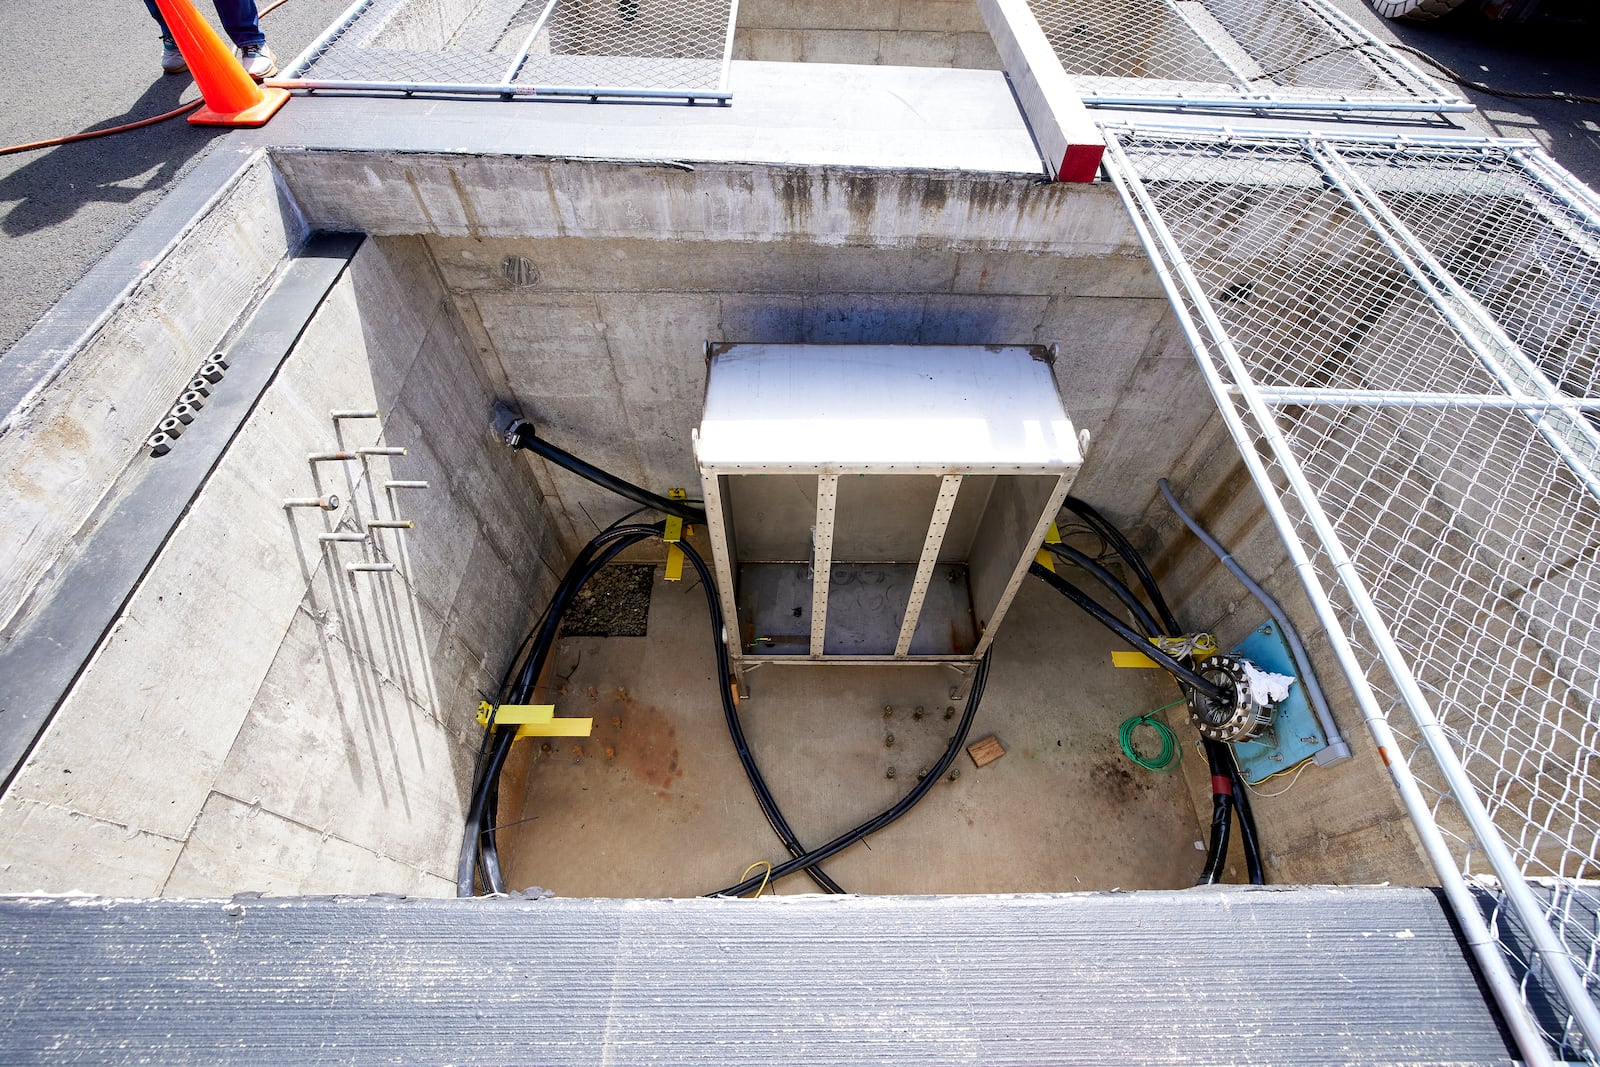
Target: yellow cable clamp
(675, 531)
(1046, 558)
(534, 720)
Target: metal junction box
(877, 503)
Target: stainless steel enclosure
(877, 503)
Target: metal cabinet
(877, 503)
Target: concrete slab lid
(884, 409)
(808, 114)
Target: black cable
(1130, 555)
(478, 846)
(488, 844)
(1184, 674)
(1221, 756)
(1247, 825)
(472, 856)
(980, 678)
(520, 434)
(1221, 809)
(1146, 621)
(590, 559)
(730, 712)
(1504, 94)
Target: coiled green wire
(1167, 757)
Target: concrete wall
(634, 268)
(903, 33)
(259, 719)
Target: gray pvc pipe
(1337, 748)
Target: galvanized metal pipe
(1383, 398)
(480, 89)
(727, 44)
(1270, 136)
(1277, 103)
(336, 28)
(527, 44)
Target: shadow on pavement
(116, 169)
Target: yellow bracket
(1047, 559)
(535, 720)
(1195, 646)
(675, 531)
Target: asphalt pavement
(62, 73)
(61, 209)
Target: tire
(1415, 10)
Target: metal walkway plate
(1216, 975)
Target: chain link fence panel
(595, 48)
(1405, 338)
(1297, 54)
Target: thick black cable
(1123, 547)
(478, 847)
(471, 856)
(488, 844)
(521, 435)
(980, 678)
(593, 556)
(480, 835)
(1247, 825)
(1218, 754)
(1184, 674)
(730, 711)
(1141, 613)
(1221, 810)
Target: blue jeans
(238, 17)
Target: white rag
(1266, 687)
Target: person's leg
(155, 13)
(172, 61)
(241, 20)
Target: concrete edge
(42, 354)
(46, 654)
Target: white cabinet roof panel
(884, 409)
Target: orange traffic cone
(232, 96)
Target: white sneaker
(172, 61)
(258, 61)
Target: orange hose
(89, 135)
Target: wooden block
(986, 751)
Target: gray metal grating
(1403, 338)
(598, 48)
(1298, 54)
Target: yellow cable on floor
(765, 878)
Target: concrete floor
(655, 803)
